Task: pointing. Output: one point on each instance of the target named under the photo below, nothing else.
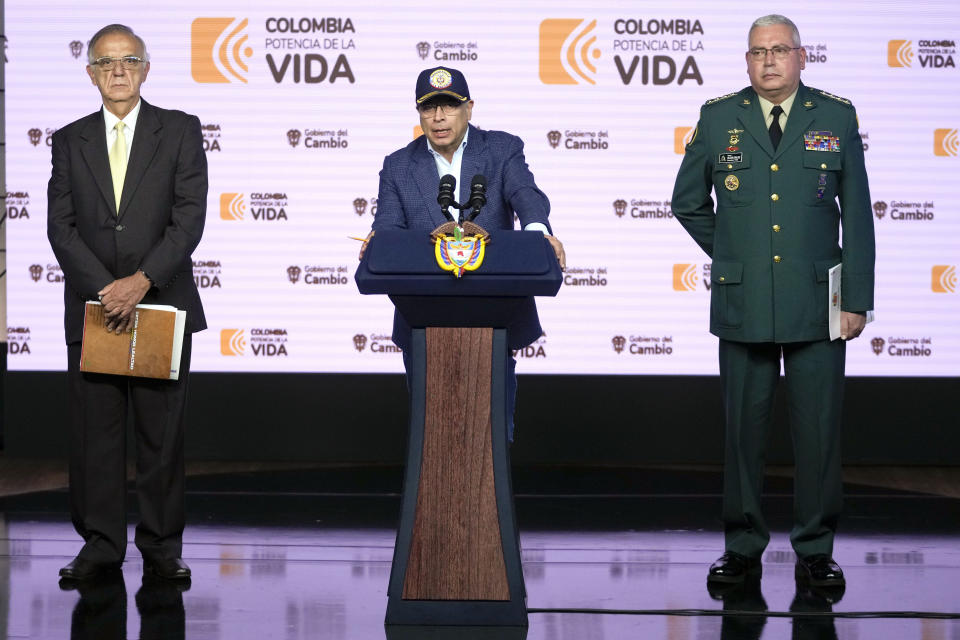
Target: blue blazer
(407, 199)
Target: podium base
(455, 613)
(454, 632)
(457, 557)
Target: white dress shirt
(452, 168)
(130, 124)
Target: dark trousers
(814, 376)
(98, 445)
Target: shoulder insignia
(827, 94)
(721, 98)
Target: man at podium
(451, 146)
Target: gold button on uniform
(776, 258)
(774, 167)
(729, 166)
(721, 278)
(823, 165)
(776, 228)
(774, 197)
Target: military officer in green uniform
(779, 155)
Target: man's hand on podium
(363, 247)
(558, 248)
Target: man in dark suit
(127, 202)
(450, 145)
(778, 155)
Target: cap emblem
(440, 79)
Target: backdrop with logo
(300, 102)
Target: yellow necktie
(118, 162)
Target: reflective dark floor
(307, 554)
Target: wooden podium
(457, 556)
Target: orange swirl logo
(946, 142)
(899, 53)
(218, 50)
(567, 50)
(943, 278)
(684, 277)
(682, 136)
(233, 342)
(232, 206)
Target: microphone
(478, 195)
(445, 198)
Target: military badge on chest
(821, 186)
(734, 139)
(732, 157)
(821, 141)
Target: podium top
(402, 262)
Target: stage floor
(606, 554)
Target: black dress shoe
(819, 570)
(173, 569)
(733, 567)
(817, 599)
(79, 569)
(745, 595)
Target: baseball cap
(441, 81)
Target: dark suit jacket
(407, 199)
(161, 217)
(776, 230)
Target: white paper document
(833, 309)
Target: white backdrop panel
(276, 266)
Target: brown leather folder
(150, 349)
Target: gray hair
(115, 28)
(774, 19)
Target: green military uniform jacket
(776, 229)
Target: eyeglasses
(779, 52)
(127, 62)
(429, 110)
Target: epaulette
(827, 94)
(720, 99)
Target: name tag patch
(726, 158)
